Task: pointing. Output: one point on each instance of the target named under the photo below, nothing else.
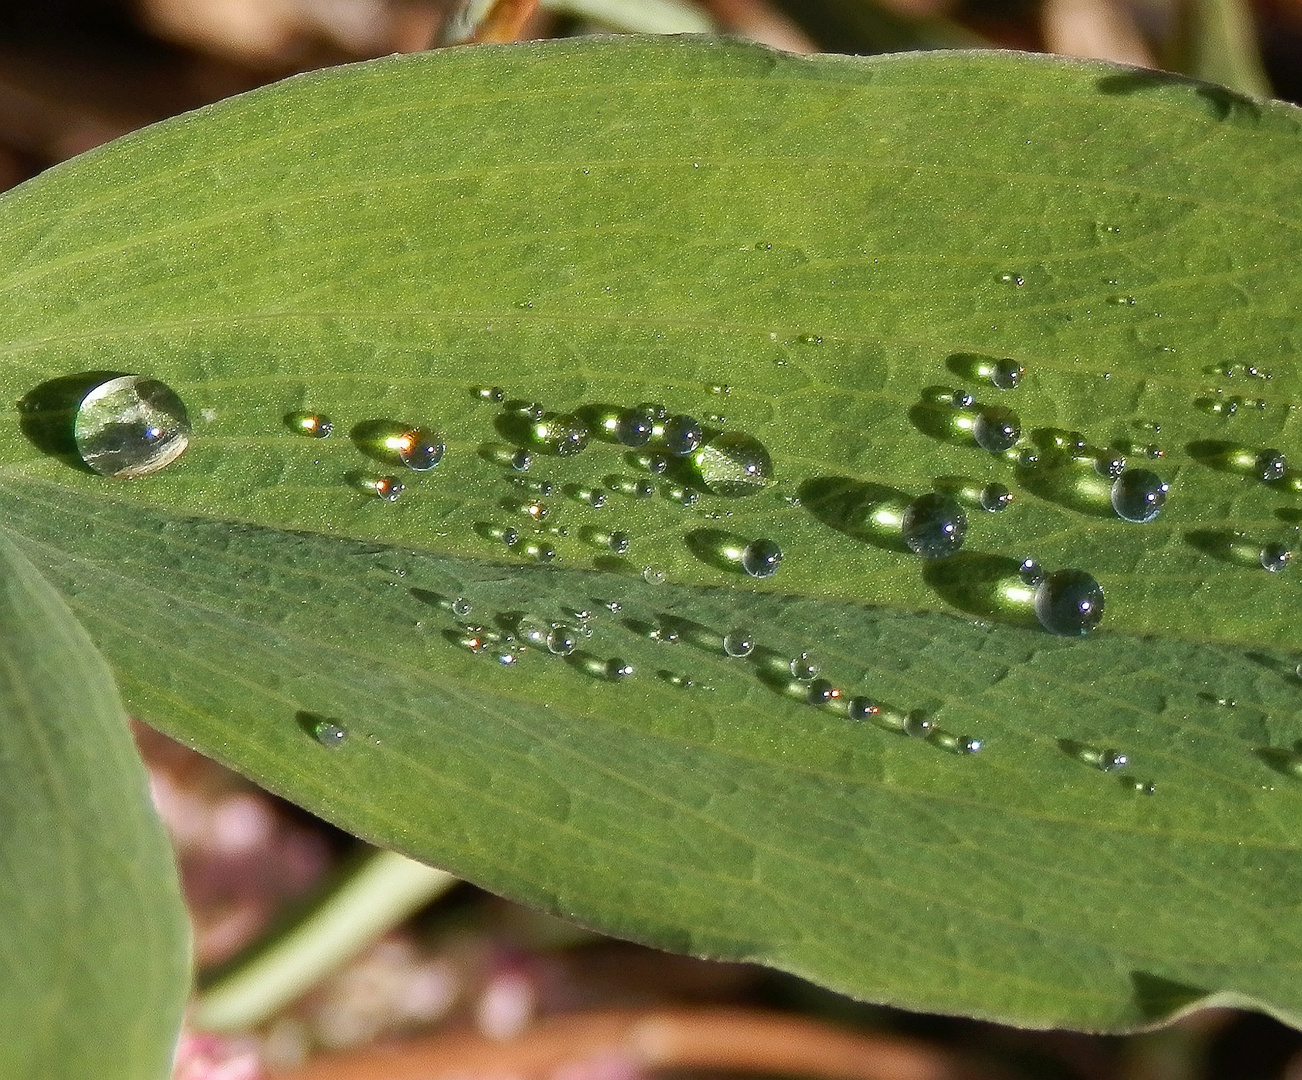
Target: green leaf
(605, 223)
(95, 967)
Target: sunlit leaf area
(632, 548)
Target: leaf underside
(799, 249)
(88, 889)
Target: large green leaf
(604, 223)
(95, 965)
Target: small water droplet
(805, 667)
(934, 525)
(919, 726)
(1006, 373)
(540, 552)
(1027, 457)
(385, 488)
(808, 339)
(739, 643)
(822, 692)
(618, 668)
(1069, 602)
(1270, 465)
(652, 409)
(969, 745)
(684, 496)
(130, 426)
(653, 575)
(1138, 495)
(1274, 557)
(1011, 279)
(1111, 760)
(534, 631)
(489, 393)
(594, 497)
(329, 734)
(531, 410)
(618, 542)
(862, 708)
(996, 429)
(1030, 572)
(562, 640)
(995, 497)
(1123, 300)
(720, 388)
(633, 427)
(534, 487)
(733, 464)
(1141, 786)
(760, 558)
(530, 508)
(562, 434)
(460, 607)
(313, 425)
(1109, 464)
(419, 448)
(681, 435)
(520, 460)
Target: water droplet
(531, 410)
(760, 558)
(1109, 464)
(934, 525)
(996, 429)
(460, 607)
(1030, 572)
(822, 692)
(969, 745)
(1141, 786)
(804, 667)
(130, 426)
(1124, 300)
(862, 708)
(618, 668)
(520, 460)
(530, 508)
(534, 631)
(562, 640)
(683, 495)
(419, 448)
(618, 542)
(1219, 406)
(720, 388)
(329, 734)
(808, 339)
(1005, 374)
(535, 487)
(594, 497)
(652, 409)
(1011, 279)
(919, 726)
(634, 487)
(653, 462)
(313, 425)
(540, 552)
(994, 497)
(1138, 495)
(504, 533)
(739, 643)
(489, 393)
(681, 435)
(387, 488)
(653, 575)
(562, 434)
(1270, 465)
(1069, 602)
(1274, 557)
(733, 464)
(1111, 760)
(633, 427)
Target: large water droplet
(130, 426)
(996, 429)
(633, 427)
(934, 525)
(420, 449)
(805, 667)
(859, 709)
(994, 497)
(733, 464)
(1138, 495)
(1006, 374)
(1069, 602)
(1274, 557)
(760, 558)
(562, 640)
(738, 643)
(563, 434)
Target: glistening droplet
(805, 667)
(329, 734)
(733, 464)
(130, 426)
(1274, 557)
(1006, 374)
(739, 643)
(633, 427)
(760, 558)
(1138, 495)
(313, 425)
(996, 429)
(1069, 602)
(681, 435)
(934, 525)
(994, 497)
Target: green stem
(382, 891)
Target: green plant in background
(429, 565)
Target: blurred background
(454, 983)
